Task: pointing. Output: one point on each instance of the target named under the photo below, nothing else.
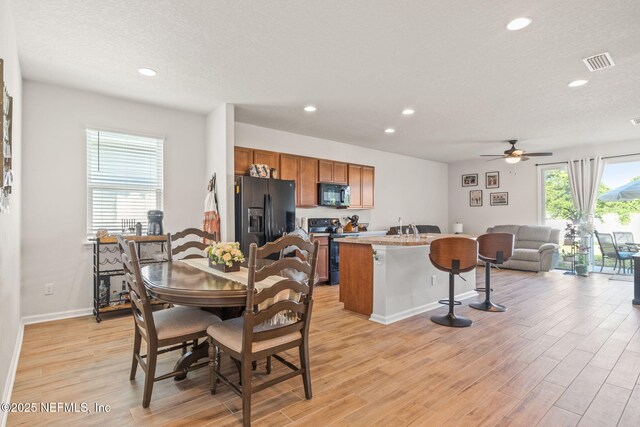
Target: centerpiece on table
(225, 256)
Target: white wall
(414, 189)
(55, 202)
(10, 222)
(219, 155)
(520, 181)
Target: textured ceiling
(471, 82)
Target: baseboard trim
(39, 318)
(13, 367)
(11, 374)
(387, 320)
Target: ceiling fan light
(512, 160)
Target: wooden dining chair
(261, 332)
(163, 331)
(193, 238)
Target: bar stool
(453, 255)
(494, 248)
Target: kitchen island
(390, 278)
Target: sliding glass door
(618, 221)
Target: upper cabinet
(355, 183)
(268, 158)
(242, 159)
(340, 173)
(304, 171)
(307, 183)
(330, 171)
(368, 187)
(362, 184)
(307, 172)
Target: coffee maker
(155, 223)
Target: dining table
(193, 282)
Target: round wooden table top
(180, 283)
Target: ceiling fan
(514, 155)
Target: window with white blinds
(124, 179)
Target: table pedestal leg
(198, 352)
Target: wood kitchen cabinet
(304, 171)
(333, 172)
(308, 171)
(355, 184)
(268, 158)
(322, 267)
(307, 184)
(368, 187)
(242, 159)
(362, 184)
(340, 173)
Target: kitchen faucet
(400, 222)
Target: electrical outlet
(433, 280)
(48, 289)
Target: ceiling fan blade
(496, 158)
(538, 154)
(492, 155)
(523, 158)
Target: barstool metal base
(451, 319)
(488, 306)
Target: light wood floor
(566, 353)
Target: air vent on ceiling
(599, 61)
(636, 122)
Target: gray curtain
(584, 180)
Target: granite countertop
(422, 240)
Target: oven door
(334, 195)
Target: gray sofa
(536, 248)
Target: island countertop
(397, 240)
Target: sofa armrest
(549, 256)
(549, 247)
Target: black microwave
(335, 195)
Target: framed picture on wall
(492, 179)
(475, 198)
(470, 180)
(499, 199)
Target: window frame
(90, 233)
(542, 197)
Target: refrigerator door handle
(268, 214)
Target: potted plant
(567, 256)
(570, 234)
(225, 256)
(582, 269)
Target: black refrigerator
(265, 210)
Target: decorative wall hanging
(492, 179)
(470, 180)
(499, 199)
(475, 198)
(6, 167)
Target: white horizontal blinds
(124, 179)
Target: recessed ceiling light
(578, 83)
(389, 130)
(408, 111)
(310, 108)
(518, 24)
(147, 72)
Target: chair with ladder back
(276, 319)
